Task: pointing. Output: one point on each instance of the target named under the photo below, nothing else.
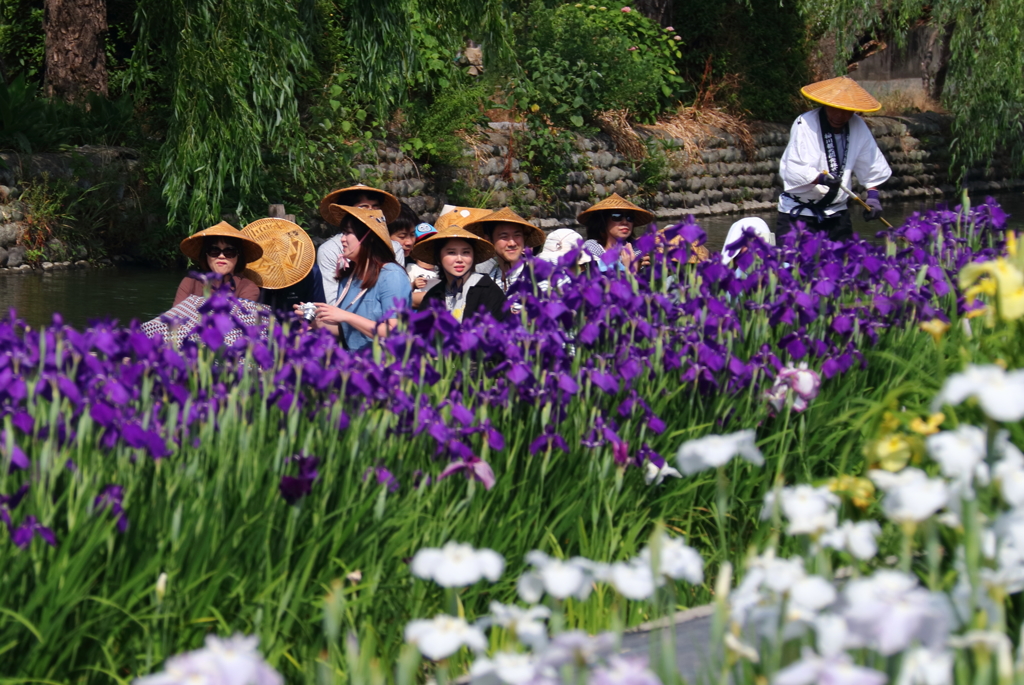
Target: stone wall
(118, 168)
(725, 180)
(720, 179)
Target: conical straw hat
(532, 236)
(288, 253)
(460, 216)
(373, 219)
(841, 92)
(389, 204)
(641, 217)
(424, 250)
(192, 247)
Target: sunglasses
(621, 216)
(229, 252)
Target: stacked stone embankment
(721, 177)
(725, 179)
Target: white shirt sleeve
(327, 259)
(803, 159)
(869, 165)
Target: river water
(126, 293)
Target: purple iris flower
(474, 468)
(294, 488)
(30, 528)
(17, 457)
(548, 440)
(112, 496)
(10, 502)
(383, 477)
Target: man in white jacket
(826, 147)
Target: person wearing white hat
(827, 146)
(749, 225)
(559, 244)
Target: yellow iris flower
(1002, 278)
(860, 491)
(890, 453)
(936, 328)
(929, 427)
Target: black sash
(835, 167)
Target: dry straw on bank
(615, 122)
(693, 125)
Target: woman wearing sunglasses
(610, 223)
(223, 252)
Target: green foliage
(566, 92)
(101, 217)
(583, 59)
(401, 49)
(435, 125)
(238, 558)
(230, 72)
(754, 54)
(336, 136)
(29, 123)
(21, 37)
(985, 85)
(655, 169)
(548, 153)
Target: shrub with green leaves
(581, 59)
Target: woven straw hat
(192, 247)
(373, 219)
(460, 216)
(388, 203)
(288, 253)
(424, 250)
(841, 92)
(641, 217)
(532, 236)
(698, 254)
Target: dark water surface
(126, 293)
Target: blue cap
(424, 230)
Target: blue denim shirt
(392, 288)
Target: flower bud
(161, 587)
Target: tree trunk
(76, 61)
(659, 11)
(938, 68)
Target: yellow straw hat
(288, 253)
(641, 216)
(424, 250)
(373, 219)
(192, 247)
(841, 92)
(532, 236)
(460, 216)
(389, 204)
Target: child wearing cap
(422, 275)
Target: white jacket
(805, 158)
